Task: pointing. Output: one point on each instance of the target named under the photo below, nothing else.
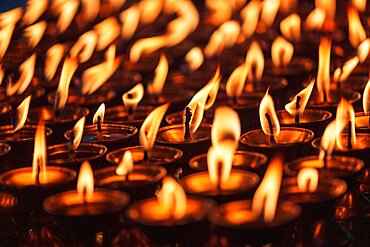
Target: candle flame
(307, 179)
(8, 21)
(267, 110)
(235, 83)
(269, 11)
(360, 5)
(66, 11)
(266, 197)
(172, 198)
(149, 10)
(26, 70)
(150, 126)
(345, 118)
(22, 112)
(342, 74)
(146, 47)
(94, 77)
(133, 96)
(219, 162)
(84, 48)
(85, 182)
(194, 58)
(78, 131)
(89, 10)
(160, 75)
(34, 10)
(255, 62)
(69, 67)
(108, 31)
(53, 58)
(39, 155)
(2, 73)
(203, 100)
(363, 50)
(224, 37)
(220, 11)
(281, 51)
(304, 96)
(316, 19)
(329, 6)
(290, 27)
(356, 32)
(99, 114)
(323, 74)
(287, 6)
(366, 98)
(226, 127)
(130, 21)
(328, 141)
(250, 16)
(126, 165)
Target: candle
(5, 113)
(140, 181)
(362, 119)
(4, 150)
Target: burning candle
(296, 114)
(140, 181)
(271, 138)
(362, 119)
(113, 136)
(262, 216)
(32, 184)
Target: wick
(297, 106)
(84, 197)
(99, 135)
(369, 121)
(272, 137)
(188, 114)
(13, 121)
(235, 100)
(219, 185)
(325, 98)
(72, 152)
(325, 159)
(130, 111)
(127, 176)
(37, 181)
(338, 85)
(146, 156)
(349, 143)
(56, 110)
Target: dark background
(6, 5)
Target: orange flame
(199, 101)
(329, 6)
(22, 112)
(287, 6)
(363, 50)
(108, 31)
(133, 96)
(39, 155)
(316, 19)
(99, 113)
(360, 5)
(323, 74)
(194, 58)
(250, 15)
(304, 96)
(78, 131)
(345, 118)
(220, 158)
(366, 98)
(160, 75)
(266, 197)
(356, 32)
(342, 74)
(34, 9)
(66, 11)
(89, 10)
(172, 198)
(269, 11)
(85, 182)
(308, 179)
(267, 110)
(290, 27)
(235, 83)
(2, 73)
(146, 46)
(328, 140)
(69, 67)
(10, 17)
(225, 36)
(149, 11)
(221, 11)
(130, 21)
(126, 165)
(96, 76)
(150, 126)
(26, 69)
(84, 48)
(281, 52)
(53, 58)
(5, 36)
(255, 61)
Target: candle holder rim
(325, 115)
(309, 139)
(308, 63)
(71, 176)
(84, 112)
(315, 143)
(48, 132)
(181, 126)
(355, 97)
(5, 149)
